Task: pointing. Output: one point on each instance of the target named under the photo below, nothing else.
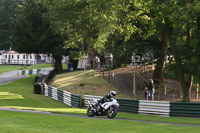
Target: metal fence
(131, 79)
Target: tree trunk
(58, 64)
(184, 86)
(157, 76)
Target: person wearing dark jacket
(151, 89)
(146, 93)
(107, 97)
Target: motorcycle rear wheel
(111, 114)
(90, 112)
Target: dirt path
(103, 118)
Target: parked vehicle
(108, 109)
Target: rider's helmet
(113, 93)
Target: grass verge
(18, 122)
(7, 68)
(40, 66)
(19, 94)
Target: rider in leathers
(107, 98)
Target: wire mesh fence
(133, 79)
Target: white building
(15, 58)
(12, 57)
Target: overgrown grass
(7, 68)
(84, 83)
(18, 122)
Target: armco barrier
(62, 96)
(154, 107)
(185, 109)
(91, 99)
(44, 71)
(28, 72)
(126, 105)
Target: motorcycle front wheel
(111, 113)
(90, 112)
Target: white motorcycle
(108, 109)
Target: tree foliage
(185, 42)
(33, 33)
(8, 11)
(118, 27)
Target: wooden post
(163, 83)
(109, 76)
(178, 91)
(197, 91)
(103, 67)
(118, 81)
(191, 85)
(134, 94)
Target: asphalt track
(103, 118)
(10, 77)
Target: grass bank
(85, 83)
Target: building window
(24, 56)
(30, 56)
(17, 56)
(6, 56)
(12, 56)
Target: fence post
(119, 81)
(178, 93)
(197, 91)
(103, 69)
(109, 76)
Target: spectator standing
(151, 89)
(98, 63)
(146, 93)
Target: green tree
(105, 26)
(8, 11)
(33, 34)
(186, 43)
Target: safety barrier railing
(185, 109)
(28, 72)
(62, 96)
